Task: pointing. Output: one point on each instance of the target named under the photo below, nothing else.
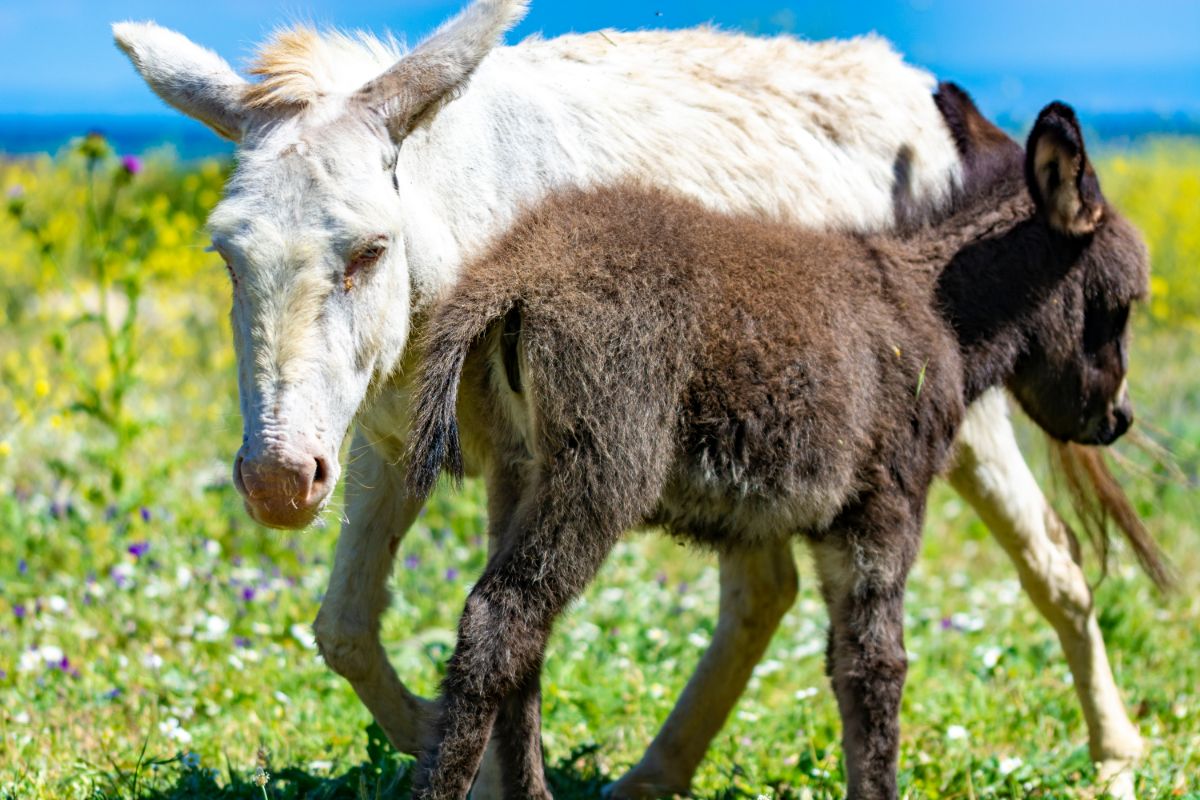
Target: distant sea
(22, 135)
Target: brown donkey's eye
(362, 258)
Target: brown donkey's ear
(1060, 177)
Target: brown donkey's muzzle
(1114, 423)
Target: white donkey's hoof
(1115, 778)
(642, 783)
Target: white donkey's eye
(212, 248)
(363, 258)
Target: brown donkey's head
(1070, 377)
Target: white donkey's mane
(297, 66)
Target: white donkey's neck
(837, 134)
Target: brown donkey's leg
(513, 765)
(758, 586)
(555, 545)
(992, 476)
(862, 564)
(518, 737)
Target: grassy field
(154, 643)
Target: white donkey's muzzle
(284, 488)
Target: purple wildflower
(247, 593)
(947, 623)
(132, 165)
(22, 566)
(113, 693)
(145, 513)
(138, 549)
(19, 611)
(3, 674)
(451, 574)
(412, 562)
(241, 641)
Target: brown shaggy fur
(629, 358)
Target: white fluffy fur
(299, 66)
(191, 78)
(817, 133)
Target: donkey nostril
(1123, 419)
(320, 473)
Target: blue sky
(1102, 55)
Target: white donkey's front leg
(992, 476)
(378, 513)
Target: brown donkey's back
(630, 295)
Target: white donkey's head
(311, 226)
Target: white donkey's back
(828, 134)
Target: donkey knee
(353, 653)
(1050, 573)
(498, 646)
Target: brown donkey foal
(629, 358)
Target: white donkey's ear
(194, 80)
(439, 64)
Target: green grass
(184, 627)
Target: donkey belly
(720, 513)
(750, 476)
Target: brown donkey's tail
(1098, 500)
(456, 326)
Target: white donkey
(366, 176)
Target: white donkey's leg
(992, 476)
(347, 627)
(757, 589)
(378, 514)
